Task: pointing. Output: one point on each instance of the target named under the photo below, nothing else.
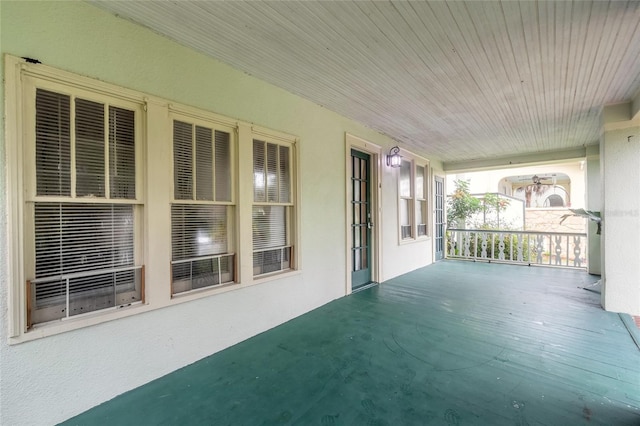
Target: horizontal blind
(182, 160)
(201, 163)
(53, 143)
(204, 164)
(421, 217)
(198, 230)
(54, 146)
(89, 125)
(285, 175)
(73, 237)
(259, 180)
(271, 173)
(269, 227)
(223, 165)
(122, 153)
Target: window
(81, 213)
(421, 201)
(202, 213)
(81, 204)
(272, 212)
(413, 194)
(406, 201)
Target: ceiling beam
(515, 161)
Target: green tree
(492, 206)
(461, 204)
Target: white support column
(159, 176)
(593, 203)
(245, 198)
(620, 170)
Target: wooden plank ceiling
(456, 81)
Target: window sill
(60, 326)
(53, 328)
(275, 276)
(414, 240)
(212, 291)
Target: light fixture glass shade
(394, 159)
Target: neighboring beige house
(547, 190)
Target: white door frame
(354, 142)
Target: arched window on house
(554, 200)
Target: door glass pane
(364, 261)
(363, 170)
(355, 167)
(356, 190)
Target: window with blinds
(406, 200)
(83, 210)
(421, 201)
(101, 130)
(272, 207)
(201, 217)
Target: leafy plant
(461, 204)
(591, 215)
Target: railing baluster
(577, 260)
(558, 250)
(530, 246)
(483, 254)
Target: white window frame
(154, 195)
(414, 199)
(422, 199)
(210, 121)
(291, 207)
(21, 80)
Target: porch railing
(559, 249)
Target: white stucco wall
(47, 380)
(619, 161)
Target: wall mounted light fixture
(394, 159)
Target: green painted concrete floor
(455, 343)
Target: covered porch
(452, 343)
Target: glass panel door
(361, 223)
(439, 218)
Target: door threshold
(364, 287)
